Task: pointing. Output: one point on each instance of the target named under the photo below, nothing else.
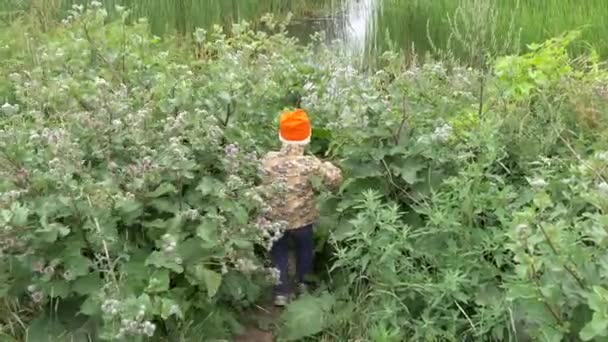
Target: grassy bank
(415, 21)
(401, 22)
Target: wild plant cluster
(473, 208)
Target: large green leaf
(87, 284)
(598, 326)
(163, 189)
(44, 329)
(159, 281)
(595, 328)
(305, 317)
(209, 186)
(162, 260)
(213, 280)
(90, 306)
(58, 288)
(238, 211)
(408, 168)
(208, 231)
(191, 250)
(20, 215)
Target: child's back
(290, 194)
(291, 171)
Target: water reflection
(354, 26)
(358, 26)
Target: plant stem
(553, 311)
(554, 249)
(402, 125)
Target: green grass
(405, 23)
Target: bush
(485, 228)
(129, 207)
(128, 181)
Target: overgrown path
(259, 323)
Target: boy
(295, 204)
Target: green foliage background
(473, 208)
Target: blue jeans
(304, 242)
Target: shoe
(280, 300)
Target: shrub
(128, 180)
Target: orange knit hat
(294, 128)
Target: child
(295, 204)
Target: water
(357, 30)
(351, 24)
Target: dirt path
(259, 323)
(253, 334)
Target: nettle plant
(480, 225)
(128, 170)
(558, 240)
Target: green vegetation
(179, 15)
(407, 22)
(401, 23)
(474, 206)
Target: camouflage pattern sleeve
(331, 174)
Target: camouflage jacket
(288, 187)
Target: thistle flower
(246, 265)
(252, 156)
(522, 230)
(170, 243)
(262, 223)
(234, 182)
(231, 150)
(174, 310)
(68, 275)
(538, 182)
(148, 328)
(142, 313)
(603, 188)
(10, 196)
(192, 214)
(117, 123)
(274, 275)
(442, 133)
(38, 266)
(15, 77)
(49, 270)
(9, 109)
(37, 297)
(110, 307)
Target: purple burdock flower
(49, 270)
(68, 275)
(37, 297)
(252, 156)
(9, 242)
(231, 150)
(148, 328)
